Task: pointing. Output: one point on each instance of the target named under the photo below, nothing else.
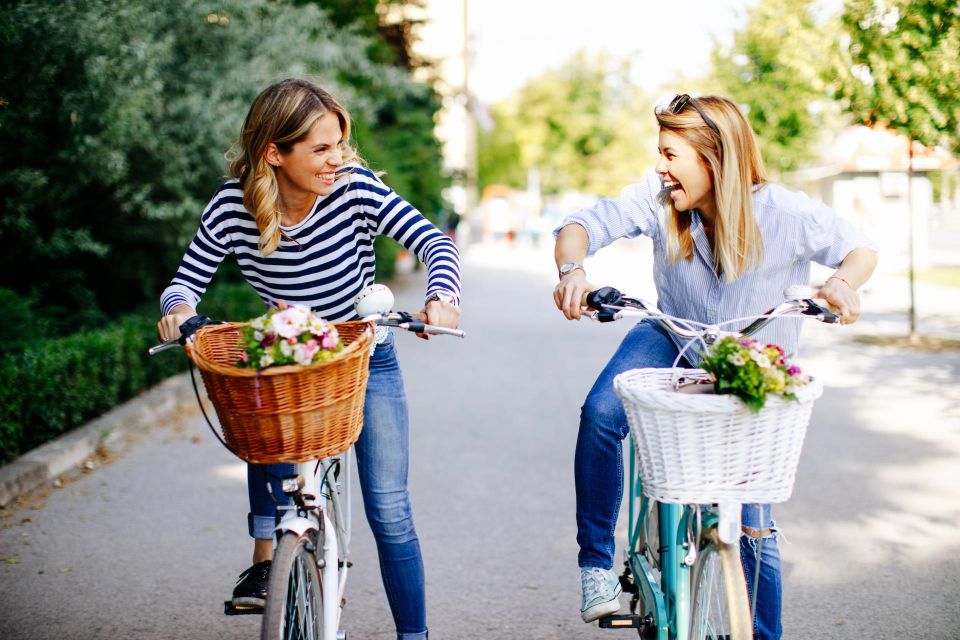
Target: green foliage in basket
(294, 335)
(751, 370)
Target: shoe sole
(248, 603)
(601, 609)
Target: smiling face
(683, 171)
(309, 166)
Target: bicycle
(682, 567)
(313, 536)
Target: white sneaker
(601, 592)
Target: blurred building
(863, 175)
(444, 40)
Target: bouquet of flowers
(750, 370)
(289, 335)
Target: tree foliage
(582, 125)
(903, 67)
(116, 114)
(779, 67)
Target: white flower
(318, 326)
(285, 348)
(266, 360)
(258, 335)
(290, 322)
(259, 324)
(736, 359)
(760, 358)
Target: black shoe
(251, 589)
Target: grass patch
(944, 276)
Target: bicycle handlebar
(406, 321)
(395, 319)
(609, 304)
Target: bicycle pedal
(621, 621)
(230, 609)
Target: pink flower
(329, 342)
(793, 370)
(290, 322)
(292, 340)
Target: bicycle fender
(297, 525)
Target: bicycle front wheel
(294, 609)
(720, 607)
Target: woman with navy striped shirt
(300, 215)
(726, 243)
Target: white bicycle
(311, 561)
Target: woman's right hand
(169, 326)
(571, 292)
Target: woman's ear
(272, 155)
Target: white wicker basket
(706, 448)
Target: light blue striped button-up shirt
(796, 231)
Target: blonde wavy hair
(736, 167)
(283, 114)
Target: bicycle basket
(707, 448)
(289, 413)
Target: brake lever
(192, 324)
(820, 312)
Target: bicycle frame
(665, 602)
(326, 508)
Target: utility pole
(470, 125)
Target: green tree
(582, 125)
(115, 117)
(903, 72)
(903, 67)
(779, 67)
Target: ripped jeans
(769, 590)
(598, 472)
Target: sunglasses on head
(682, 100)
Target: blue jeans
(598, 469)
(382, 462)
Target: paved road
(148, 545)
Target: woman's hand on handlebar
(169, 326)
(842, 299)
(440, 314)
(570, 294)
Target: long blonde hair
(736, 168)
(283, 114)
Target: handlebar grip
(604, 296)
(822, 313)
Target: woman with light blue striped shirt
(300, 215)
(726, 243)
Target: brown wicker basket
(289, 413)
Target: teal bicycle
(695, 459)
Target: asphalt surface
(148, 543)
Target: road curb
(49, 460)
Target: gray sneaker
(601, 590)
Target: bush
(50, 386)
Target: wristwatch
(442, 296)
(569, 267)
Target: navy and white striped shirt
(322, 262)
(796, 231)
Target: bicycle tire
(294, 607)
(720, 607)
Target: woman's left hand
(441, 314)
(842, 298)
